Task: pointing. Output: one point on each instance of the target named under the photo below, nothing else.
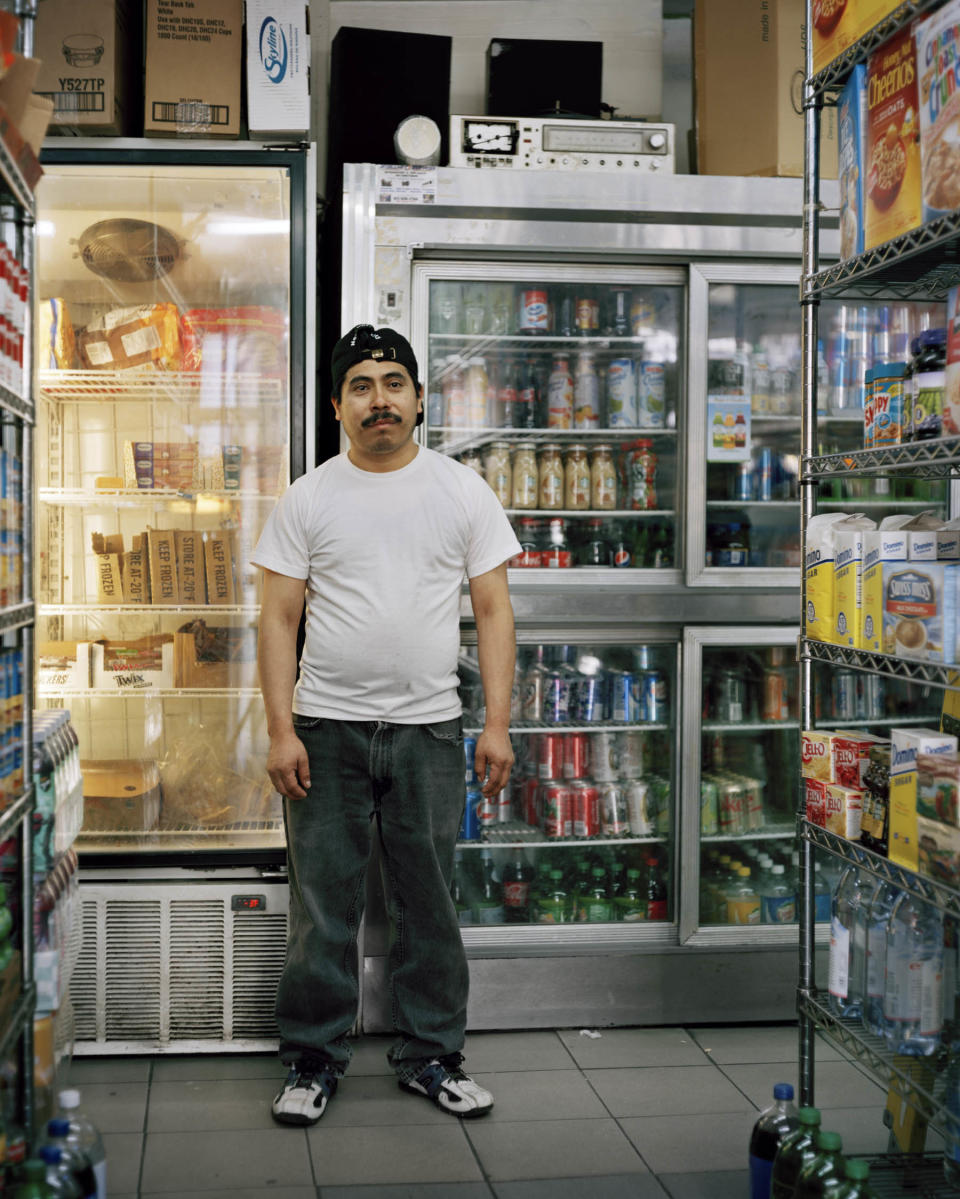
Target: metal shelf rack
(923, 263)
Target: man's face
(378, 407)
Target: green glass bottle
(33, 1184)
(856, 1183)
(554, 906)
(824, 1171)
(796, 1151)
(598, 906)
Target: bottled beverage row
(538, 309)
(597, 478)
(560, 684)
(756, 686)
(557, 543)
(756, 883)
(538, 391)
(768, 474)
(732, 540)
(58, 784)
(599, 885)
(792, 1157)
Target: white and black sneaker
(304, 1095)
(453, 1091)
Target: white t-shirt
(384, 556)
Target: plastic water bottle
(60, 1178)
(879, 908)
(913, 990)
(796, 1151)
(847, 945)
(85, 1136)
(824, 1171)
(75, 1160)
(778, 903)
(774, 1125)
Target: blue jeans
(411, 778)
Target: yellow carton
(902, 846)
(848, 537)
(819, 618)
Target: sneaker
(450, 1088)
(304, 1095)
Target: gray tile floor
(636, 1113)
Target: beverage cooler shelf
(532, 341)
(767, 833)
(862, 505)
(872, 1052)
(16, 616)
(447, 439)
(16, 405)
(924, 459)
(525, 837)
(764, 504)
(148, 692)
(747, 726)
(587, 513)
(149, 610)
(132, 497)
(918, 670)
(927, 889)
(208, 394)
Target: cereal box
(892, 150)
(906, 745)
(851, 756)
(837, 24)
(816, 757)
(938, 69)
(852, 108)
(844, 809)
(815, 794)
(951, 387)
(938, 787)
(919, 609)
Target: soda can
(530, 800)
(550, 756)
(470, 754)
(752, 804)
(470, 825)
(577, 756)
(621, 394)
(743, 490)
(531, 691)
(586, 809)
(631, 754)
(556, 809)
(730, 816)
(590, 693)
(604, 756)
(505, 805)
(708, 806)
(534, 311)
(764, 474)
(652, 696)
(843, 694)
(614, 818)
(487, 814)
(643, 316)
(556, 697)
(640, 808)
(623, 706)
(875, 700)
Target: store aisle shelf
(923, 459)
(917, 670)
(833, 75)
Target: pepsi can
(556, 697)
(652, 697)
(470, 825)
(589, 706)
(622, 702)
(470, 754)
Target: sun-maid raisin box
(894, 202)
(193, 68)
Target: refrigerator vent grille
(196, 969)
(181, 970)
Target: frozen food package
(235, 341)
(938, 60)
(147, 337)
(55, 336)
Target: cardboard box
(193, 68)
(64, 665)
(843, 808)
(135, 571)
(120, 795)
(218, 556)
(938, 851)
(879, 548)
(164, 587)
(190, 567)
(108, 551)
(125, 667)
(851, 120)
(278, 68)
(215, 657)
(848, 579)
(748, 60)
(88, 59)
(816, 756)
(951, 386)
(902, 841)
(837, 25)
(815, 801)
(891, 155)
(851, 756)
(936, 40)
(907, 744)
(919, 610)
(938, 787)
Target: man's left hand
(494, 753)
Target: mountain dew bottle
(553, 907)
(820, 1177)
(598, 906)
(856, 1184)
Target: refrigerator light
(248, 228)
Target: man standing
(377, 542)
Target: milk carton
(847, 579)
(880, 548)
(819, 617)
(919, 609)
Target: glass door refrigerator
(175, 403)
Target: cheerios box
(837, 24)
(893, 200)
(938, 60)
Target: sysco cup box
(851, 110)
(879, 548)
(278, 68)
(193, 68)
(919, 610)
(906, 744)
(87, 63)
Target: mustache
(378, 416)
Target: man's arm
(277, 658)
(496, 652)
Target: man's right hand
(288, 766)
